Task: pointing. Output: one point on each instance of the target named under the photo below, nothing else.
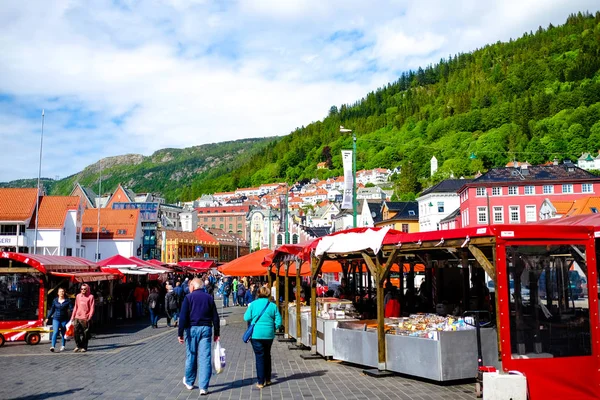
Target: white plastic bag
(219, 357)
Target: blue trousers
(56, 326)
(225, 300)
(153, 316)
(198, 355)
(262, 354)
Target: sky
(125, 76)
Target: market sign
(8, 241)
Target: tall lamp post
(345, 130)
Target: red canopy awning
(46, 264)
(118, 261)
(89, 276)
(196, 266)
(160, 265)
(248, 265)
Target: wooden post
(315, 267)
(277, 287)
(379, 273)
(298, 313)
(286, 300)
(465, 279)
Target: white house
(59, 226)
(588, 161)
(188, 220)
(437, 202)
(323, 216)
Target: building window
(404, 228)
(513, 212)
(529, 189)
(279, 239)
(567, 188)
(294, 239)
(230, 227)
(440, 206)
(513, 190)
(220, 226)
(465, 217)
(586, 188)
(213, 219)
(548, 189)
(121, 231)
(530, 214)
(498, 215)
(482, 215)
(496, 191)
(480, 191)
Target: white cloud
(133, 77)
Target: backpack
(241, 290)
(172, 301)
(227, 289)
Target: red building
(231, 219)
(514, 195)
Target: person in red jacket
(392, 305)
(81, 317)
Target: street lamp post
(37, 198)
(345, 130)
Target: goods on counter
(427, 325)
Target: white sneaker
(62, 348)
(188, 387)
(203, 392)
(52, 349)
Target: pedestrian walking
(226, 292)
(129, 300)
(198, 323)
(171, 306)
(178, 290)
(241, 292)
(139, 296)
(249, 296)
(59, 312)
(234, 286)
(263, 334)
(153, 307)
(81, 318)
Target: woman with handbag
(265, 318)
(59, 312)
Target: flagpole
(37, 197)
(97, 257)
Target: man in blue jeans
(197, 319)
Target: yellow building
(401, 215)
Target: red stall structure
(26, 280)
(547, 325)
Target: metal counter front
(305, 324)
(450, 357)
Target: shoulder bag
(248, 333)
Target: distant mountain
(47, 183)
(171, 172)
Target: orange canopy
(248, 265)
(334, 266)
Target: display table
(325, 329)
(305, 324)
(451, 355)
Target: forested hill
(534, 99)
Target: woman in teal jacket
(263, 334)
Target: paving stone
(135, 362)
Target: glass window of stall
(19, 297)
(549, 311)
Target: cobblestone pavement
(134, 361)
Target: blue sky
(125, 76)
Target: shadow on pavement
(221, 387)
(48, 395)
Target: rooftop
(17, 204)
(53, 211)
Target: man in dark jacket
(197, 320)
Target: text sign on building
(8, 240)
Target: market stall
(546, 330)
(26, 281)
